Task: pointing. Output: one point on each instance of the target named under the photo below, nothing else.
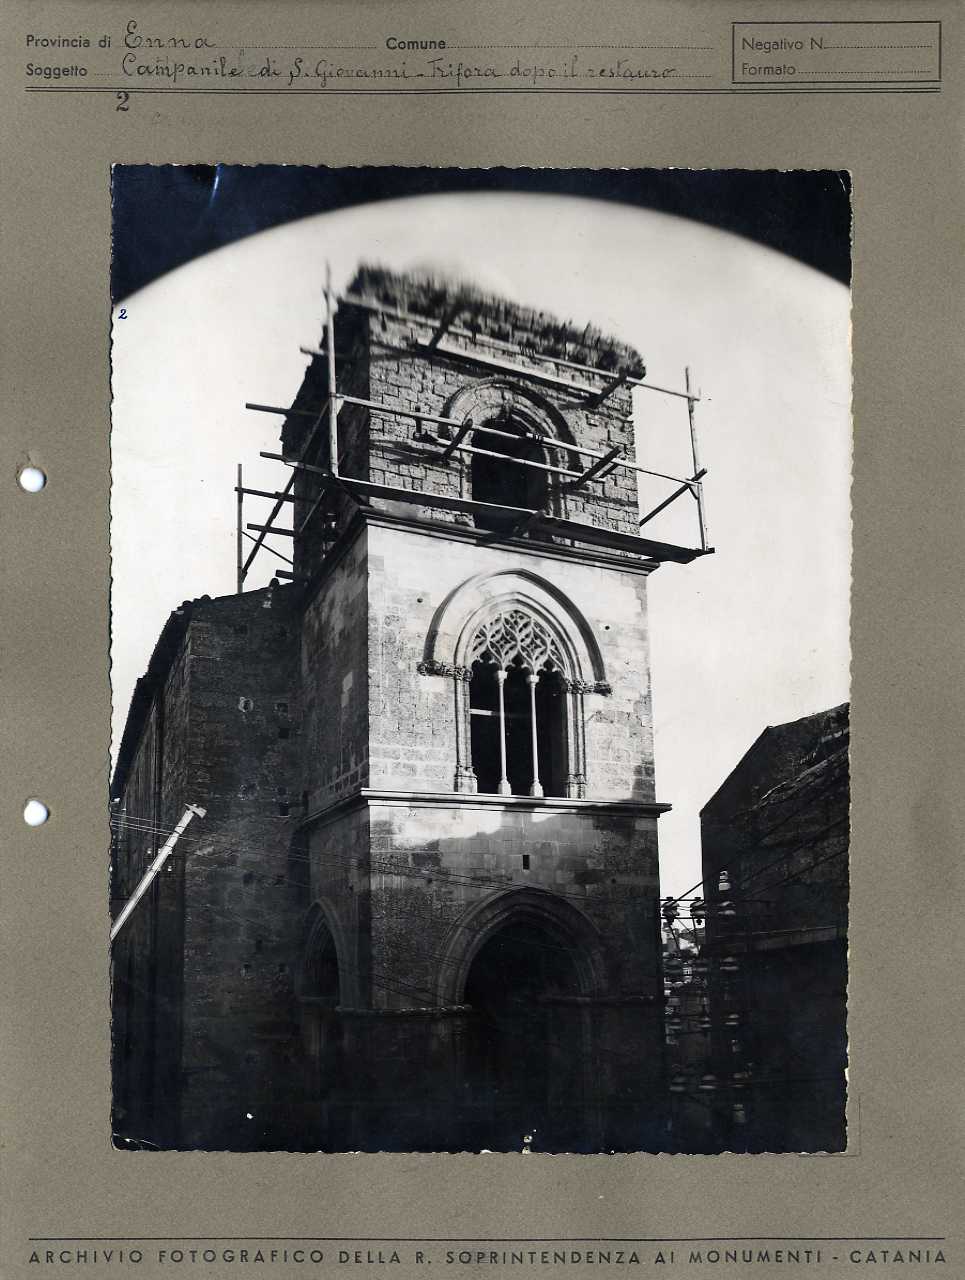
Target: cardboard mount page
(481, 540)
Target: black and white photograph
(480, 576)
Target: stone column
(536, 788)
(504, 788)
(465, 774)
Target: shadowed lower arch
(555, 916)
(322, 924)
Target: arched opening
(524, 1062)
(321, 967)
(505, 483)
(484, 727)
(321, 1024)
(509, 755)
(517, 707)
(551, 731)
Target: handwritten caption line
(174, 70)
(461, 48)
(762, 55)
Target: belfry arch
(515, 422)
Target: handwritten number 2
(122, 100)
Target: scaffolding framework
(464, 437)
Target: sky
(753, 635)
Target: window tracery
(518, 709)
(517, 661)
(512, 635)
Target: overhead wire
(408, 991)
(381, 867)
(392, 869)
(135, 822)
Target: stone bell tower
(480, 955)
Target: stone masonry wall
(147, 968)
(335, 678)
(339, 853)
(403, 455)
(241, 911)
(306, 423)
(133, 1011)
(412, 716)
(168, 889)
(378, 359)
(402, 880)
(448, 860)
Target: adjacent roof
(785, 758)
(167, 647)
(162, 659)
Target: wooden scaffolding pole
(263, 546)
(689, 486)
(421, 415)
(286, 494)
(239, 541)
(271, 528)
(602, 466)
(150, 874)
(269, 493)
(333, 404)
(698, 487)
(279, 503)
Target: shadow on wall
(445, 990)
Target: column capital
(433, 667)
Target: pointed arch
(563, 924)
(527, 420)
(498, 625)
(464, 609)
(324, 949)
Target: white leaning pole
(162, 856)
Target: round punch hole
(32, 479)
(35, 813)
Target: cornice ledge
(374, 798)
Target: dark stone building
(421, 910)
(775, 953)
